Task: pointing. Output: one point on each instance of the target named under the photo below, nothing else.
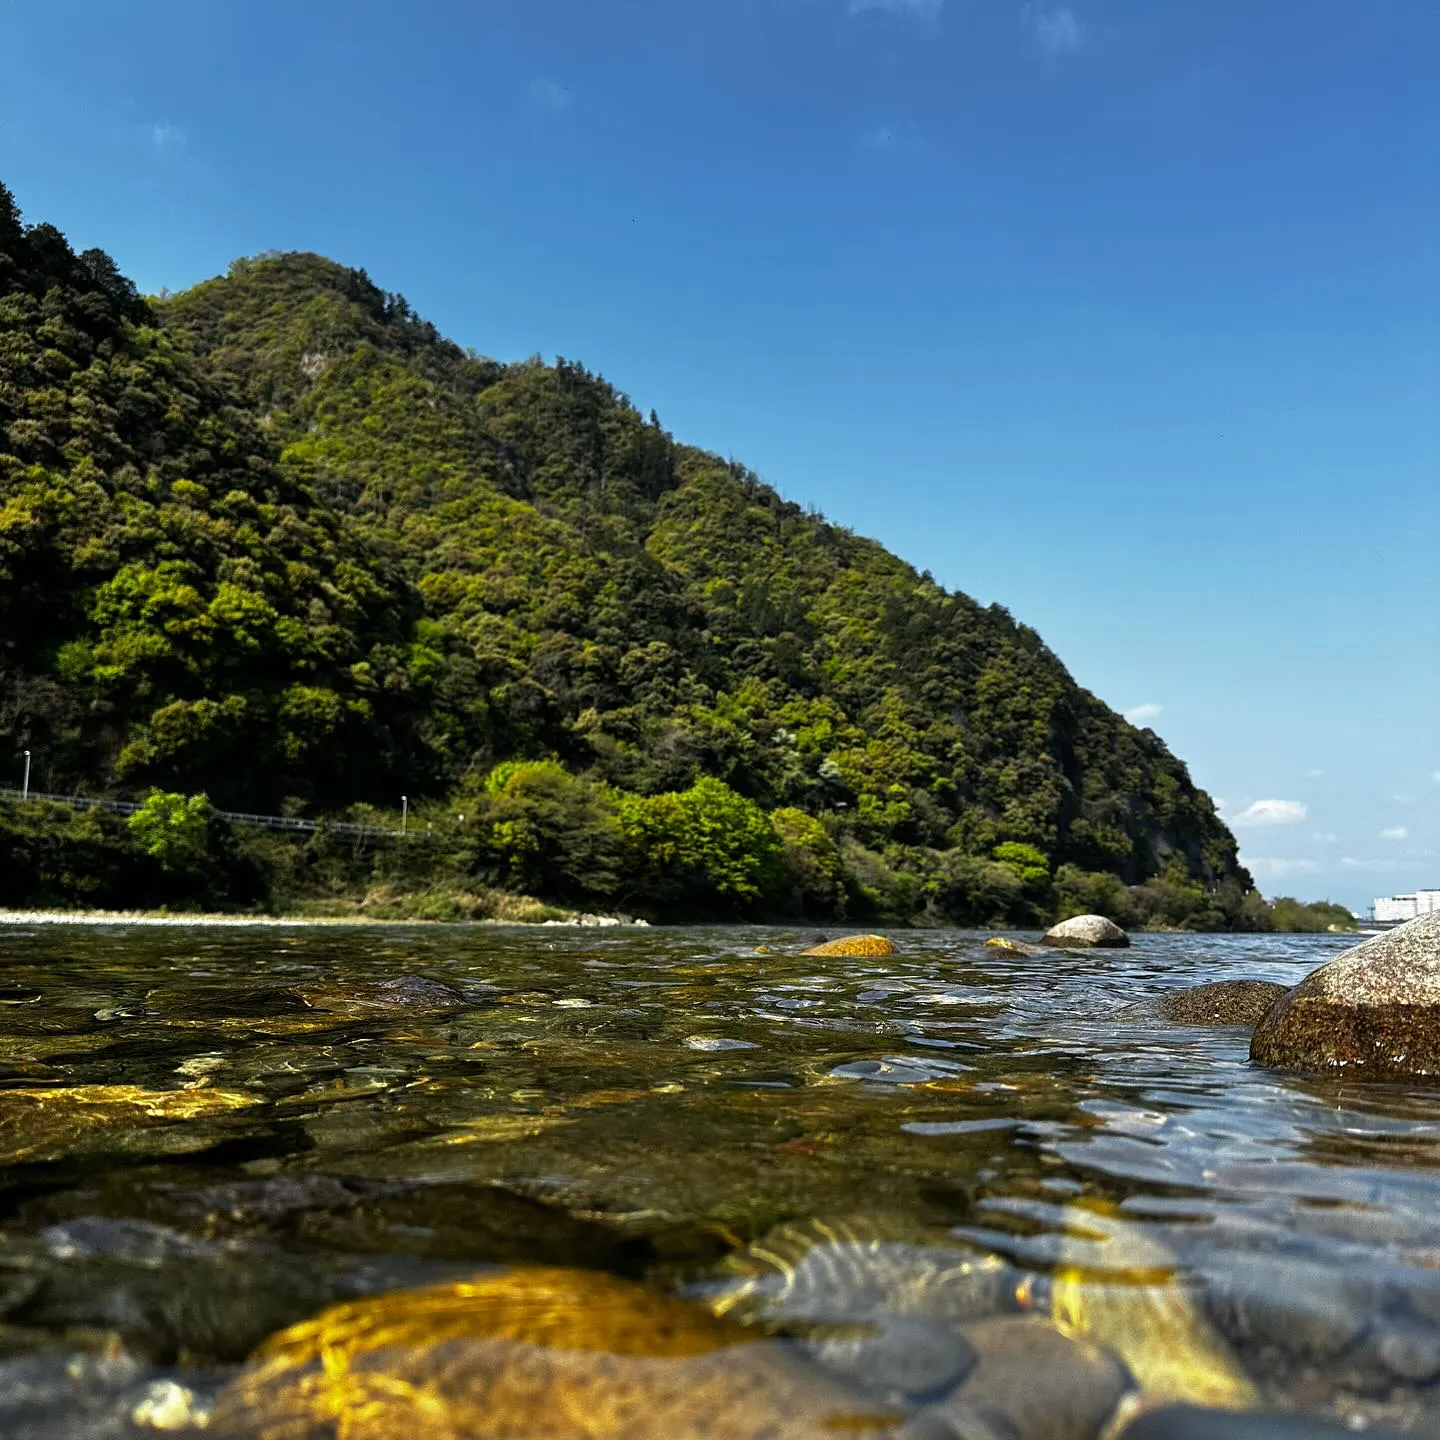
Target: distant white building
(1398, 908)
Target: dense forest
(277, 542)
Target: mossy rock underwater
(534, 1351)
(47, 1124)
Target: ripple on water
(650, 1101)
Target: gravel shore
(140, 917)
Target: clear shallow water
(652, 1102)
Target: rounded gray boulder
(1086, 932)
(1373, 1011)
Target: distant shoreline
(143, 917)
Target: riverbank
(145, 917)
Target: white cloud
(166, 137)
(1141, 713)
(549, 95)
(1377, 866)
(922, 9)
(1056, 28)
(1401, 799)
(1324, 837)
(1395, 832)
(1313, 774)
(1271, 812)
(1435, 776)
(1279, 869)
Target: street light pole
(404, 812)
(25, 788)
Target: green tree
(173, 829)
(706, 846)
(1086, 892)
(810, 878)
(553, 833)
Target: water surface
(650, 1103)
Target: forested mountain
(277, 540)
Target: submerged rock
(1192, 1422)
(1014, 947)
(1373, 1011)
(1087, 932)
(858, 945)
(857, 1269)
(878, 1310)
(1031, 1382)
(1121, 1288)
(567, 1354)
(412, 994)
(1226, 1002)
(109, 1395)
(47, 1124)
(1300, 1308)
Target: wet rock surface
(1373, 1011)
(1306, 1310)
(901, 1360)
(1086, 932)
(46, 1124)
(862, 946)
(99, 1396)
(1226, 1002)
(408, 993)
(1006, 946)
(1030, 1381)
(1189, 1422)
(1124, 1289)
(859, 1268)
(565, 1354)
(896, 1304)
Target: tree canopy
(277, 540)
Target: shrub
(811, 878)
(706, 847)
(173, 829)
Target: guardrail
(235, 817)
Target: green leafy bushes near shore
(177, 857)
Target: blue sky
(1121, 313)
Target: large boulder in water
(1225, 1002)
(1087, 932)
(1373, 1011)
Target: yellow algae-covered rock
(1120, 1287)
(533, 1352)
(858, 945)
(46, 1124)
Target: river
(652, 1102)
